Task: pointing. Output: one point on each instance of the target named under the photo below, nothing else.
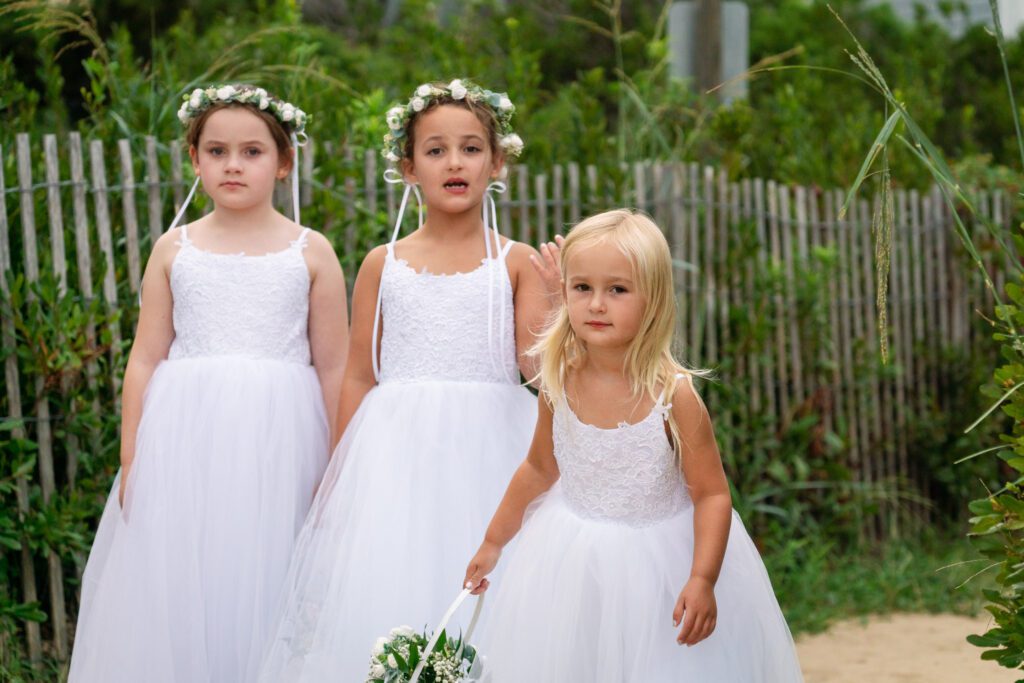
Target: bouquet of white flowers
(404, 656)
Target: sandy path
(900, 648)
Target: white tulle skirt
(182, 583)
(403, 506)
(586, 600)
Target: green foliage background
(590, 82)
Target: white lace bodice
(239, 305)
(628, 474)
(435, 327)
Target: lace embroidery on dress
(239, 305)
(435, 325)
(627, 474)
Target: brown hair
(278, 132)
(483, 113)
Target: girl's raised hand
(482, 564)
(697, 609)
(549, 268)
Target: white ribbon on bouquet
(443, 624)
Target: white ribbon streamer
(184, 204)
(393, 177)
(295, 176)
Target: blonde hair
(650, 365)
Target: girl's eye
(582, 288)
(253, 151)
(216, 151)
(618, 289)
(434, 151)
(472, 149)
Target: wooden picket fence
(104, 208)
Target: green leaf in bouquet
(442, 640)
(414, 654)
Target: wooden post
(523, 195)
(131, 221)
(575, 210)
(106, 242)
(155, 202)
(12, 383)
(44, 430)
(540, 189)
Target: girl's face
(605, 306)
(238, 159)
(452, 160)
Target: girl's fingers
(697, 631)
(539, 267)
(688, 621)
(551, 251)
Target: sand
(900, 648)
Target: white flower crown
(202, 99)
(398, 117)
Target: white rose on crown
(395, 118)
(457, 89)
(225, 92)
(512, 144)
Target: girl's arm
(712, 514)
(535, 475)
(153, 337)
(358, 378)
(537, 291)
(328, 322)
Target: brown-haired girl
(228, 394)
(432, 410)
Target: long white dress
(182, 583)
(589, 592)
(417, 475)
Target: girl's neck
(604, 363)
(263, 216)
(447, 227)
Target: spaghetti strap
(507, 248)
(300, 241)
(183, 239)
